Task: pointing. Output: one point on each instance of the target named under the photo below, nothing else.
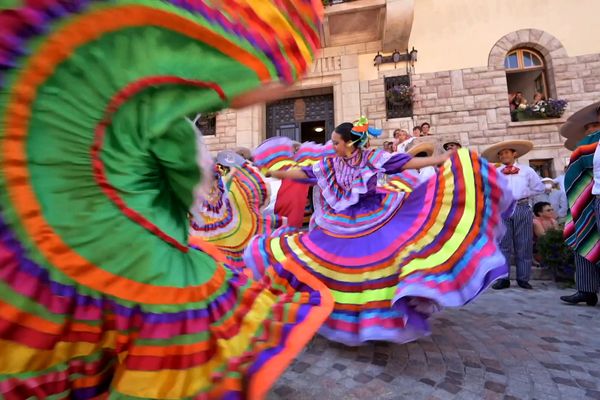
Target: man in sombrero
(582, 183)
(524, 184)
(452, 145)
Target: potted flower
(400, 95)
(553, 108)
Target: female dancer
(391, 257)
(233, 210)
(100, 295)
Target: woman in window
(538, 99)
(515, 100)
(391, 253)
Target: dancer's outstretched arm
(296, 174)
(422, 162)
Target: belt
(523, 202)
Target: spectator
(538, 99)
(452, 145)
(554, 196)
(417, 131)
(544, 218)
(425, 129)
(402, 139)
(515, 100)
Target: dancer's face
(507, 156)
(341, 148)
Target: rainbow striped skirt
(438, 248)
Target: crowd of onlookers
(403, 139)
(517, 100)
(549, 208)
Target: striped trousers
(587, 275)
(518, 240)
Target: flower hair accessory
(362, 130)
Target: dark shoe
(501, 284)
(524, 285)
(591, 299)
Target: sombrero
(522, 147)
(426, 147)
(451, 142)
(574, 129)
(229, 158)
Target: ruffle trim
(338, 197)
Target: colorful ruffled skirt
(236, 216)
(404, 254)
(100, 294)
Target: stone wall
(469, 105)
(225, 133)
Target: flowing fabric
(100, 294)
(432, 244)
(580, 230)
(234, 214)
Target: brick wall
(469, 105)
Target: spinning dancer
(100, 294)
(391, 257)
(232, 212)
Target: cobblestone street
(513, 344)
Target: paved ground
(512, 344)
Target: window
(523, 59)
(398, 97)
(525, 74)
(207, 123)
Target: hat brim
(420, 148)
(229, 158)
(522, 147)
(574, 128)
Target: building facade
(469, 57)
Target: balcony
(360, 21)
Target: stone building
(469, 56)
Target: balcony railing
(332, 2)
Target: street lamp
(395, 58)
